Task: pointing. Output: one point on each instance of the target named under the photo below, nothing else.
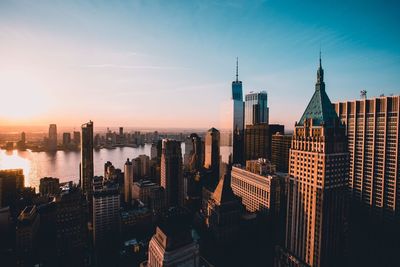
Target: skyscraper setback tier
(316, 215)
(372, 127)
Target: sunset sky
(171, 63)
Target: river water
(65, 164)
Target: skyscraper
(280, 151)
(238, 119)
(316, 215)
(87, 171)
(256, 108)
(256, 141)
(171, 172)
(212, 155)
(372, 127)
(52, 145)
(128, 180)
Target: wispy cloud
(140, 67)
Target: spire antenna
(237, 69)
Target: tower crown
(320, 108)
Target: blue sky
(171, 63)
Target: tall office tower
(172, 244)
(372, 127)
(171, 172)
(258, 187)
(66, 139)
(11, 182)
(280, 151)
(49, 186)
(194, 157)
(273, 129)
(52, 145)
(106, 205)
(316, 215)
(224, 210)
(256, 141)
(142, 168)
(71, 226)
(128, 181)
(77, 138)
(256, 108)
(26, 236)
(188, 151)
(238, 119)
(87, 170)
(212, 155)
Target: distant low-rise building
(49, 186)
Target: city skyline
(61, 60)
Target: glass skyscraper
(256, 108)
(238, 119)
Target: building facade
(106, 205)
(49, 186)
(372, 127)
(280, 147)
(128, 181)
(316, 216)
(258, 189)
(256, 141)
(256, 108)
(171, 172)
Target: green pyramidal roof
(320, 108)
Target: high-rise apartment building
(256, 108)
(71, 226)
(87, 168)
(259, 188)
(238, 119)
(52, 145)
(280, 147)
(316, 215)
(372, 127)
(171, 172)
(106, 205)
(128, 181)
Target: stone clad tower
(318, 169)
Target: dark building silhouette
(87, 168)
(256, 141)
(171, 172)
(316, 215)
(280, 147)
(49, 186)
(11, 182)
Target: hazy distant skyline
(171, 64)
